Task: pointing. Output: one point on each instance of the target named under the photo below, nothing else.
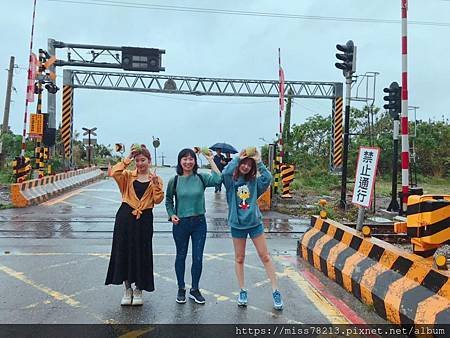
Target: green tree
(432, 148)
(311, 142)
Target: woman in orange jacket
(131, 254)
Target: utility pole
(7, 107)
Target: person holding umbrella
(220, 162)
(244, 217)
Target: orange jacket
(125, 178)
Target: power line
(110, 3)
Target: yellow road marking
(62, 198)
(54, 294)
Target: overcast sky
(229, 46)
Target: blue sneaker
(243, 298)
(277, 301)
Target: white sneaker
(127, 297)
(137, 297)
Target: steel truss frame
(186, 85)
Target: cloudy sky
(206, 44)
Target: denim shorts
(251, 232)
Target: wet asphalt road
(53, 261)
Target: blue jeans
(195, 228)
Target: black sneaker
(196, 296)
(181, 296)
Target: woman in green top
(188, 217)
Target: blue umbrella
(225, 147)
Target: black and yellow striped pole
(67, 126)
(276, 182)
(337, 134)
(287, 176)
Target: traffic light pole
(393, 205)
(348, 88)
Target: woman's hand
(133, 152)
(209, 156)
(243, 154)
(175, 219)
(153, 177)
(257, 156)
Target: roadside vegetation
(307, 146)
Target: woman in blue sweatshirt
(245, 219)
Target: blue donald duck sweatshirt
(243, 210)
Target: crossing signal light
(142, 59)
(393, 100)
(347, 56)
(51, 87)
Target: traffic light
(348, 56)
(142, 59)
(51, 87)
(156, 142)
(393, 99)
(49, 134)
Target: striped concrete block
(40, 190)
(402, 287)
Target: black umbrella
(225, 147)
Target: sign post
(90, 132)
(366, 170)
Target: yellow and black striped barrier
(428, 222)
(21, 168)
(67, 121)
(402, 287)
(287, 176)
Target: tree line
(307, 145)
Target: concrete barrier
(40, 190)
(402, 287)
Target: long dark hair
(184, 153)
(251, 175)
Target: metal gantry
(187, 85)
(111, 57)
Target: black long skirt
(132, 252)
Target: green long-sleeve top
(190, 194)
